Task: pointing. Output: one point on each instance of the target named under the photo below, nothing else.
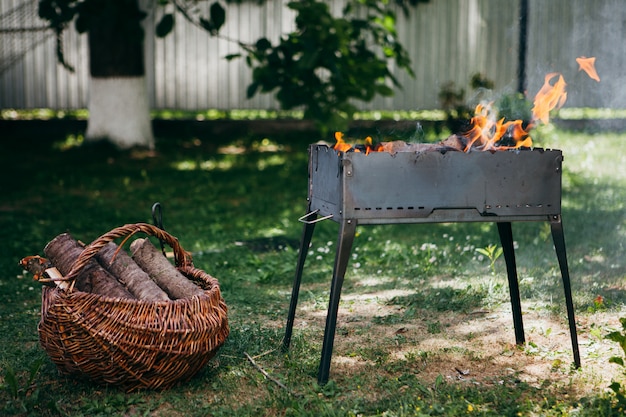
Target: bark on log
(63, 251)
(151, 260)
(135, 279)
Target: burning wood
(487, 132)
(454, 143)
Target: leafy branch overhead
(328, 62)
(322, 67)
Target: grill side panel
(382, 188)
(325, 181)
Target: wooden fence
(448, 40)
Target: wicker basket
(133, 344)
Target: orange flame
(341, 144)
(486, 131)
(589, 66)
(549, 97)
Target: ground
(475, 347)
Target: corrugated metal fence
(448, 40)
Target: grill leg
(559, 245)
(506, 238)
(347, 230)
(307, 234)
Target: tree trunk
(135, 279)
(118, 98)
(151, 260)
(119, 112)
(63, 251)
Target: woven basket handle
(181, 257)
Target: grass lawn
(424, 324)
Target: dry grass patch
(476, 347)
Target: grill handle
(304, 219)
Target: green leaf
(616, 337)
(218, 16)
(165, 26)
(81, 24)
(230, 57)
(617, 360)
(263, 44)
(384, 90)
(206, 24)
(252, 89)
(616, 387)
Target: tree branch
(180, 8)
(265, 374)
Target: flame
(589, 66)
(370, 146)
(549, 97)
(486, 131)
(341, 144)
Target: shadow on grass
(234, 202)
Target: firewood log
(453, 142)
(151, 260)
(135, 279)
(63, 251)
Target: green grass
(234, 203)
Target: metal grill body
(353, 188)
(434, 186)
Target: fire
(486, 131)
(342, 146)
(549, 97)
(589, 66)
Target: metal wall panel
(448, 40)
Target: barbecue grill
(436, 186)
